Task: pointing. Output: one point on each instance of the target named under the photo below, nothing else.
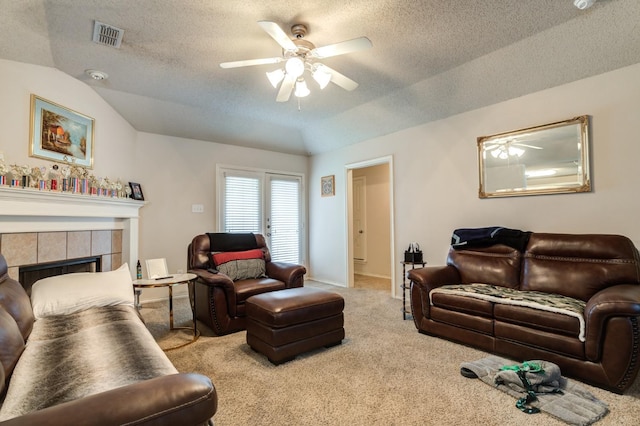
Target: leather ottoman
(283, 324)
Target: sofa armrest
(290, 274)
(423, 280)
(616, 301)
(185, 399)
(434, 276)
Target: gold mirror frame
(548, 159)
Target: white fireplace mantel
(31, 210)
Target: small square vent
(107, 35)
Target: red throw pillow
(227, 256)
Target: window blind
(242, 204)
(285, 220)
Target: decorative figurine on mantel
(54, 177)
(3, 171)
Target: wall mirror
(548, 159)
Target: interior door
(359, 219)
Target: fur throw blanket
(72, 356)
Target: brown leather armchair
(220, 300)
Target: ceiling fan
(300, 55)
(504, 148)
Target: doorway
(370, 233)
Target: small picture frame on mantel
(328, 186)
(136, 191)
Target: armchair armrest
(217, 280)
(290, 274)
(185, 399)
(616, 301)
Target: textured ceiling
(430, 59)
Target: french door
(266, 203)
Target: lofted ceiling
(430, 59)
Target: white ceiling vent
(107, 35)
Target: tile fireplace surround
(41, 226)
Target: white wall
(113, 136)
(174, 173)
(436, 174)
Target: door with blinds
(265, 203)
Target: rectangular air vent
(107, 35)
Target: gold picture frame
(60, 134)
(548, 159)
(328, 186)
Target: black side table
(405, 286)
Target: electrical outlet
(197, 208)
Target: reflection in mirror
(548, 159)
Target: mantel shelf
(32, 202)
(27, 210)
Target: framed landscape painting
(60, 134)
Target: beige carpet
(384, 373)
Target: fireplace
(42, 227)
(32, 273)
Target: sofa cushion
(11, 345)
(537, 319)
(578, 266)
(70, 293)
(497, 265)
(247, 288)
(14, 299)
(459, 303)
(548, 302)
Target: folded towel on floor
(575, 405)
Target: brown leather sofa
(601, 273)
(220, 300)
(185, 399)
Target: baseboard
(386, 277)
(326, 282)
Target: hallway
(369, 282)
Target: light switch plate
(197, 208)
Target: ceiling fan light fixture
(294, 66)
(515, 152)
(321, 77)
(275, 77)
(97, 75)
(301, 89)
(583, 4)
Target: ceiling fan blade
(355, 45)
(340, 79)
(285, 89)
(278, 35)
(528, 146)
(251, 62)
